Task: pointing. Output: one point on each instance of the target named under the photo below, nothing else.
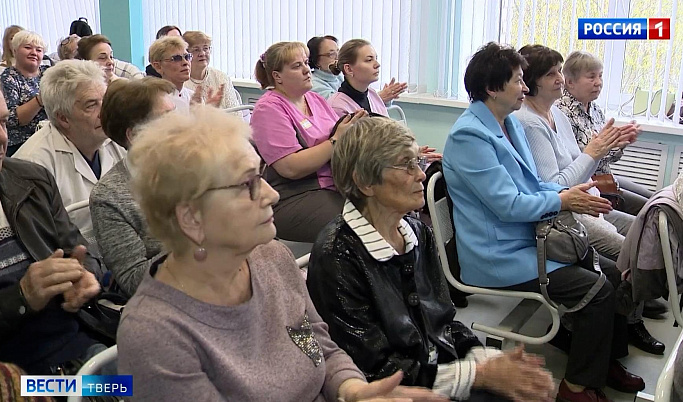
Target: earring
(200, 254)
(494, 97)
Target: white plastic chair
(669, 267)
(665, 382)
(89, 234)
(241, 108)
(400, 112)
(507, 330)
(302, 262)
(94, 365)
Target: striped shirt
(454, 379)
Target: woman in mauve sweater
(226, 315)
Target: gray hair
(580, 62)
(60, 83)
(22, 38)
(364, 151)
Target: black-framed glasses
(176, 58)
(411, 166)
(197, 49)
(253, 184)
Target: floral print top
(19, 90)
(585, 125)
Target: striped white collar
(376, 245)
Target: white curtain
(635, 72)
(51, 19)
(407, 34)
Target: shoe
(654, 309)
(562, 340)
(587, 395)
(459, 298)
(620, 379)
(639, 337)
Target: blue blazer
(498, 197)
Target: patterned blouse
(585, 124)
(19, 90)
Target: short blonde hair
(60, 84)
(580, 62)
(274, 59)
(24, 37)
(364, 151)
(160, 46)
(176, 159)
(196, 37)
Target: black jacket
(33, 206)
(382, 313)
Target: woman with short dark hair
(323, 52)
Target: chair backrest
(76, 209)
(245, 111)
(442, 223)
(665, 382)
(401, 114)
(94, 365)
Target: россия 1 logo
(625, 28)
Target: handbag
(609, 188)
(100, 317)
(564, 239)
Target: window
(51, 20)
(635, 71)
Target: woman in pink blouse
(294, 131)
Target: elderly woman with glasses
(230, 302)
(375, 278)
(170, 58)
(204, 77)
(21, 86)
(323, 52)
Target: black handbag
(100, 317)
(564, 239)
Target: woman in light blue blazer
(498, 197)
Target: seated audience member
(376, 280)
(124, 69)
(322, 52)
(7, 59)
(10, 378)
(583, 83)
(204, 77)
(122, 234)
(558, 159)
(497, 196)
(295, 132)
(40, 286)
(168, 30)
(67, 49)
(72, 146)
(358, 62)
(230, 302)
(21, 86)
(170, 57)
(97, 48)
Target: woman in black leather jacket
(375, 278)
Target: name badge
(306, 124)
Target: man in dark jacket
(46, 274)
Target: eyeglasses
(331, 55)
(179, 57)
(412, 165)
(197, 49)
(253, 184)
